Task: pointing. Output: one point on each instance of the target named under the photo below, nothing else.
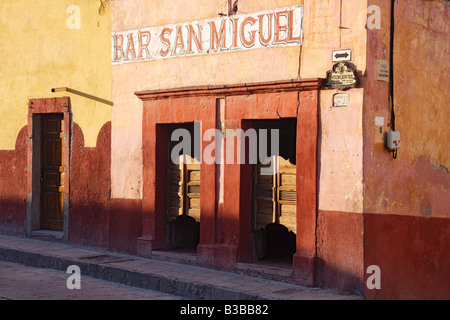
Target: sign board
(341, 77)
(270, 28)
(342, 55)
(340, 100)
(383, 73)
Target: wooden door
(52, 172)
(274, 196)
(183, 189)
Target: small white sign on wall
(341, 100)
(342, 55)
(383, 73)
(379, 121)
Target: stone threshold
(47, 235)
(271, 271)
(267, 271)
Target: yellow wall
(39, 52)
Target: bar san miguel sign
(271, 28)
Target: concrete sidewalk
(189, 281)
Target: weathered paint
(340, 189)
(326, 28)
(264, 64)
(226, 238)
(406, 200)
(341, 153)
(421, 169)
(265, 29)
(362, 206)
(44, 53)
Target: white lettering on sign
(279, 27)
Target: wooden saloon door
(183, 205)
(52, 172)
(275, 196)
(184, 189)
(274, 210)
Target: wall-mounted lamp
(59, 89)
(83, 94)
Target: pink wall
(406, 201)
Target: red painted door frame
(45, 106)
(225, 236)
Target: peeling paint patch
(426, 208)
(102, 8)
(356, 195)
(441, 167)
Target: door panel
(52, 172)
(274, 196)
(184, 189)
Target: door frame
(226, 224)
(36, 108)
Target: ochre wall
(406, 200)
(39, 53)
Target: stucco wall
(327, 26)
(40, 52)
(406, 200)
(322, 34)
(236, 67)
(417, 182)
(47, 45)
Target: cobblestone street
(20, 282)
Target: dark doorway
(274, 196)
(51, 172)
(183, 191)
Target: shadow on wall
(90, 185)
(336, 278)
(13, 187)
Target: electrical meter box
(393, 139)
